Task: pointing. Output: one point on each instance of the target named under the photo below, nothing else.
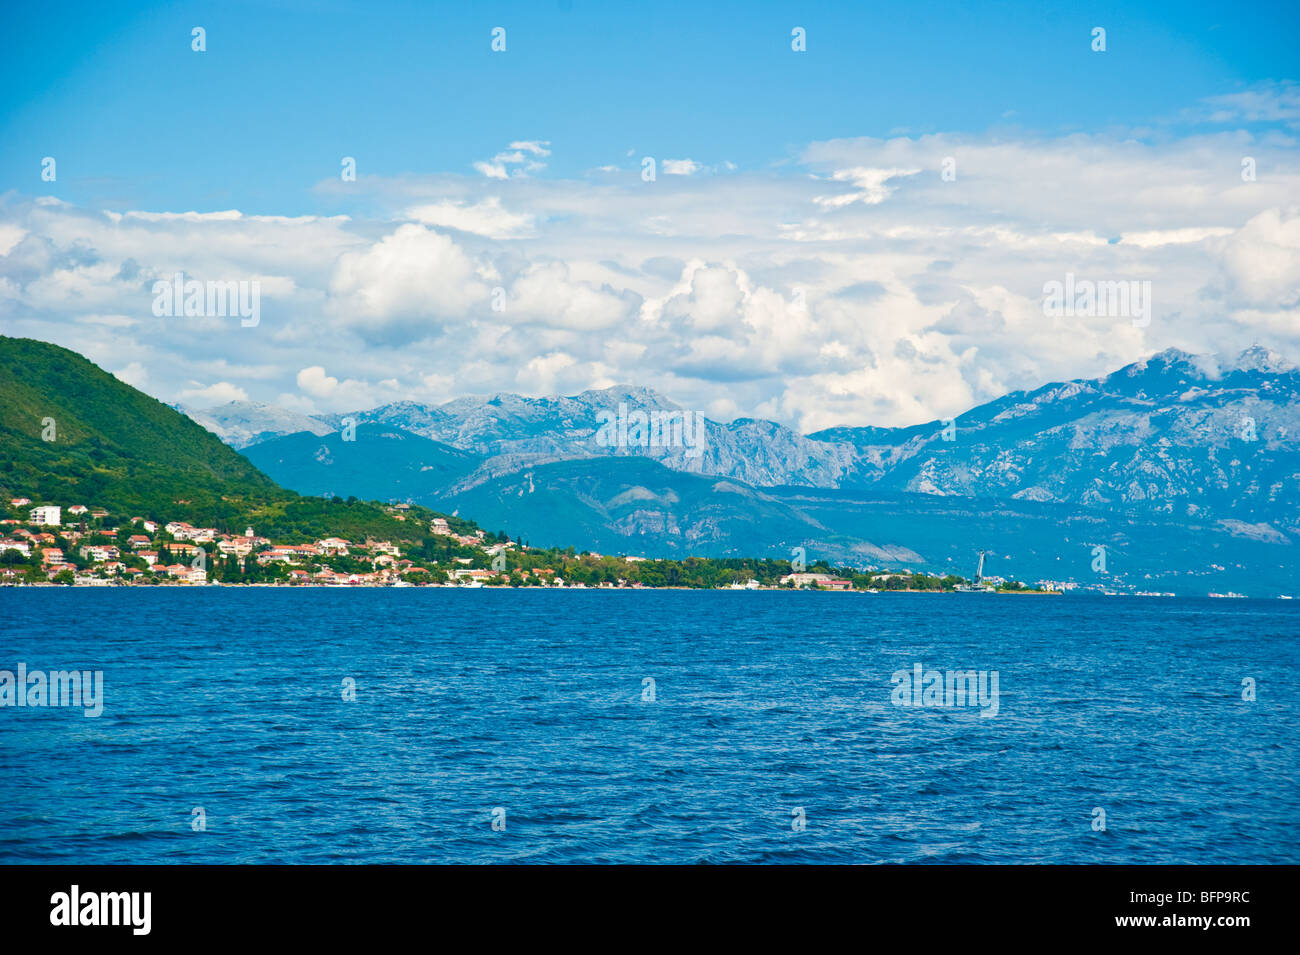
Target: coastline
(112, 585)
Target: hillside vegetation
(72, 433)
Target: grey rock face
(243, 423)
(1176, 436)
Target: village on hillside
(82, 545)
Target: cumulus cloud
(1262, 259)
(10, 235)
(324, 392)
(413, 276)
(546, 374)
(855, 285)
(549, 294)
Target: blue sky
(285, 89)
(802, 254)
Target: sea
(441, 725)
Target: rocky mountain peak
(1259, 358)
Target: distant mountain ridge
(635, 506)
(1174, 435)
(241, 423)
(1184, 469)
(74, 433)
(1162, 436)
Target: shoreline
(109, 585)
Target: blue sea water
(467, 701)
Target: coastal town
(83, 545)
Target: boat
(978, 587)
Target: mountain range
(1169, 475)
(1184, 452)
(1174, 435)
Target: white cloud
(534, 146)
(316, 383)
(414, 273)
(134, 374)
(493, 170)
(1264, 103)
(322, 390)
(10, 235)
(111, 321)
(1158, 237)
(223, 392)
(486, 218)
(516, 161)
(681, 167)
(545, 374)
(225, 215)
(855, 286)
(871, 186)
(550, 295)
(1262, 260)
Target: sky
(858, 232)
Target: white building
(98, 552)
(48, 516)
(239, 546)
(803, 580)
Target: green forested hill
(117, 448)
(113, 445)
